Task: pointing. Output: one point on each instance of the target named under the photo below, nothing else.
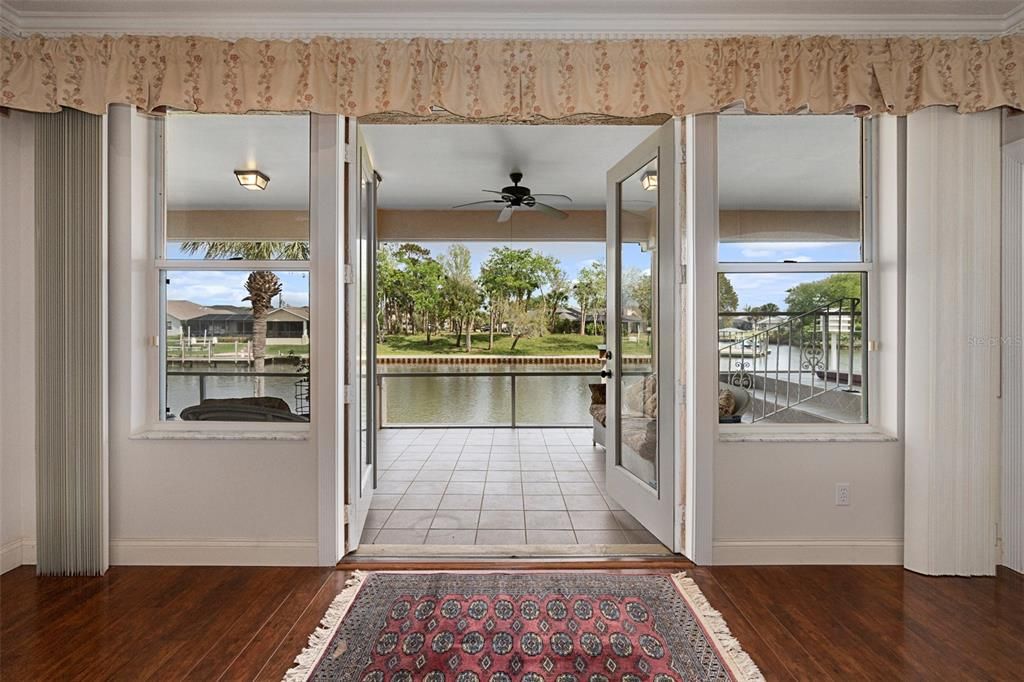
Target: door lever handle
(605, 373)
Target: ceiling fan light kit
(518, 196)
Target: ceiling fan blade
(506, 214)
(476, 203)
(551, 211)
(560, 196)
(492, 191)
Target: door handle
(605, 373)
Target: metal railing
(513, 393)
(301, 383)
(820, 347)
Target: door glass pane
(637, 305)
(366, 384)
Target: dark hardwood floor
(797, 622)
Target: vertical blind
(71, 333)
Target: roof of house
(287, 313)
(187, 310)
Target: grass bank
(549, 344)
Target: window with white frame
(793, 269)
(234, 268)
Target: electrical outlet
(842, 494)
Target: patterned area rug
(530, 626)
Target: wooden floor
(814, 623)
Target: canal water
(468, 399)
(472, 398)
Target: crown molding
(10, 21)
(451, 25)
(1013, 22)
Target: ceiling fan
(516, 196)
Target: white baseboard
(212, 552)
(884, 551)
(10, 555)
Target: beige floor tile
(585, 503)
(460, 502)
(548, 520)
(550, 537)
(462, 519)
(409, 501)
(500, 537)
(410, 518)
(543, 502)
(438, 536)
(502, 502)
(600, 537)
(593, 520)
(389, 536)
(501, 519)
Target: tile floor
(495, 487)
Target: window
(233, 264)
(793, 269)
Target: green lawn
(550, 344)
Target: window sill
(862, 434)
(222, 434)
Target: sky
(227, 287)
(756, 289)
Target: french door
(361, 295)
(642, 432)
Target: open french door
(361, 425)
(643, 435)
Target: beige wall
(17, 347)
(424, 225)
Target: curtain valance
(517, 79)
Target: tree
(557, 294)
(461, 293)
(727, 298)
(525, 322)
(261, 285)
(589, 291)
(509, 276)
(637, 287)
(810, 295)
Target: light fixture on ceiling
(649, 180)
(252, 179)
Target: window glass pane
(789, 189)
(236, 346)
(237, 186)
(791, 348)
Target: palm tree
(262, 285)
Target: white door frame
(701, 317)
(327, 219)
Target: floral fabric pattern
(517, 79)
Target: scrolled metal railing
(820, 348)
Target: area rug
(529, 626)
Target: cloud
(227, 287)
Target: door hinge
(345, 513)
(347, 276)
(682, 274)
(349, 153)
(346, 394)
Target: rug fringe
(306, 661)
(743, 665)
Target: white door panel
(642, 430)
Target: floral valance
(512, 78)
